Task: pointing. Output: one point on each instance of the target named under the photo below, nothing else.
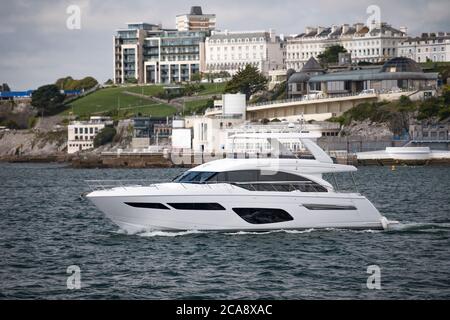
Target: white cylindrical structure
(178, 124)
(234, 104)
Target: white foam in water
(392, 226)
(415, 226)
(167, 234)
(273, 231)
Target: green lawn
(195, 106)
(146, 90)
(115, 101)
(156, 110)
(111, 99)
(213, 88)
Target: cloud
(37, 48)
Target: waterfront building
(428, 47)
(208, 131)
(298, 81)
(149, 131)
(251, 138)
(230, 51)
(181, 136)
(396, 75)
(228, 131)
(81, 134)
(437, 132)
(374, 43)
(277, 77)
(196, 20)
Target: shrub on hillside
(104, 136)
(68, 83)
(48, 99)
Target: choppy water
(45, 227)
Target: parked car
(315, 95)
(367, 91)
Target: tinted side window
(263, 215)
(278, 176)
(195, 177)
(147, 205)
(196, 206)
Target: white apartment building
(374, 43)
(429, 47)
(81, 134)
(196, 21)
(231, 51)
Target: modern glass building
(396, 74)
(147, 53)
(173, 56)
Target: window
(195, 177)
(197, 206)
(328, 207)
(147, 205)
(263, 215)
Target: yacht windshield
(254, 180)
(195, 177)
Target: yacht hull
(308, 211)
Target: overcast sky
(36, 47)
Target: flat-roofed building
(196, 20)
(81, 134)
(147, 53)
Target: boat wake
(150, 234)
(419, 227)
(393, 227)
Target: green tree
(105, 136)
(446, 95)
(247, 81)
(196, 77)
(131, 80)
(331, 54)
(429, 108)
(86, 83)
(405, 104)
(68, 83)
(47, 99)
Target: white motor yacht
(241, 195)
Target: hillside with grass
(117, 103)
(129, 101)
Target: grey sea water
(45, 226)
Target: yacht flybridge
(240, 195)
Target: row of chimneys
(346, 28)
(435, 34)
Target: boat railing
(96, 185)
